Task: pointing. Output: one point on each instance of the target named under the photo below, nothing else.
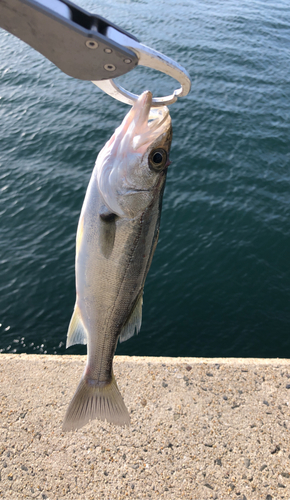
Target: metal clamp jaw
(87, 46)
(152, 59)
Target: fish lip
(136, 190)
(133, 190)
(145, 99)
(141, 109)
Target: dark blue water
(219, 284)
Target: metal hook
(152, 59)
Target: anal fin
(76, 331)
(133, 323)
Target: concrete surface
(201, 429)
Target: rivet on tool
(108, 51)
(127, 61)
(110, 67)
(91, 44)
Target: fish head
(131, 168)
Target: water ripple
(219, 284)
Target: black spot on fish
(108, 216)
(107, 231)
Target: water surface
(219, 284)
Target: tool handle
(70, 37)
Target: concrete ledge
(201, 428)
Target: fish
(116, 238)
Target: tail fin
(94, 401)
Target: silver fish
(116, 239)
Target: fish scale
(116, 239)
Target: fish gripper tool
(87, 46)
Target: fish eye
(157, 159)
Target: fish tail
(95, 401)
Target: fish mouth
(152, 122)
(142, 125)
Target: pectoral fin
(107, 231)
(133, 323)
(76, 331)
